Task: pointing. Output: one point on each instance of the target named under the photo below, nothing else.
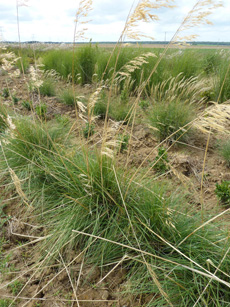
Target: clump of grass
(124, 142)
(41, 110)
(67, 97)
(170, 119)
(86, 60)
(82, 64)
(62, 120)
(144, 104)
(16, 287)
(87, 197)
(221, 84)
(88, 130)
(6, 302)
(120, 111)
(30, 141)
(100, 107)
(223, 192)
(47, 88)
(15, 99)
(23, 64)
(224, 150)
(3, 118)
(27, 104)
(5, 93)
(124, 95)
(161, 160)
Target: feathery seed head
(142, 12)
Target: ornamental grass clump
(88, 204)
(29, 140)
(171, 120)
(67, 97)
(47, 88)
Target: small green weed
(5, 93)
(223, 192)
(124, 141)
(144, 104)
(41, 110)
(3, 217)
(124, 95)
(16, 287)
(161, 165)
(62, 120)
(88, 130)
(15, 99)
(6, 302)
(27, 105)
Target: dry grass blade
(202, 178)
(178, 251)
(59, 300)
(208, 274)
(209, 282)
(70, 279)
(56, 275)
(18, 187)
(203, 225)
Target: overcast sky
(53, 20)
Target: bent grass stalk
(207, 274)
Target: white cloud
(54, 20)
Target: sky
(53, 20)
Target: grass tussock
(171, 120)
(67, 97)
(87, 197)
(224, 150)
(47, 88)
